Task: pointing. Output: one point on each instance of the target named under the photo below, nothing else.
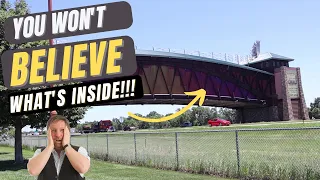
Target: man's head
(57, 124)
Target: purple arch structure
(259, 91)
(166, 76)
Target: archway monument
(264, 89)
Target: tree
(314, 110)
(229, 114)
(117, 124)
(185, 117)
(200, 115)
(37, 120)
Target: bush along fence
(287, 153)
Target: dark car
(186, 124)
(126, 128)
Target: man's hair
(58, 118)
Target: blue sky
(289, 28)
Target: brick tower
(288, 85)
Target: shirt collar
(55, 152)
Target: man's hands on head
(37, 163)
(79, 162)
(66, 136)
(50, 140)
(52, 113)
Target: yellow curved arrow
(200, 94)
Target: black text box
(114, 16)
(70, 62)
(79, 95)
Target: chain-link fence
(291, 153)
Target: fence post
(107, 146)
(238, 155)
(177, 151)
(135, 147)
(88, 143)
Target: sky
(290, 28)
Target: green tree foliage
(36, 120)
(198, 116)
(314, 110)
(229, 114)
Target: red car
(218, 122)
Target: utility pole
(50, 9)
(51, 43)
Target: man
(59, 160)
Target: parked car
(186, 124)
(128, 128)
(86, 128)
(218, 122)
(112, 129)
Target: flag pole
(51, 43)
(50, 9)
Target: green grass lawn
(99, 170)
(278, 154)
(256, 125)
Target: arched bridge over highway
(166, 76)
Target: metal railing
(291, 153)
(232, 58)
(228, 57)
